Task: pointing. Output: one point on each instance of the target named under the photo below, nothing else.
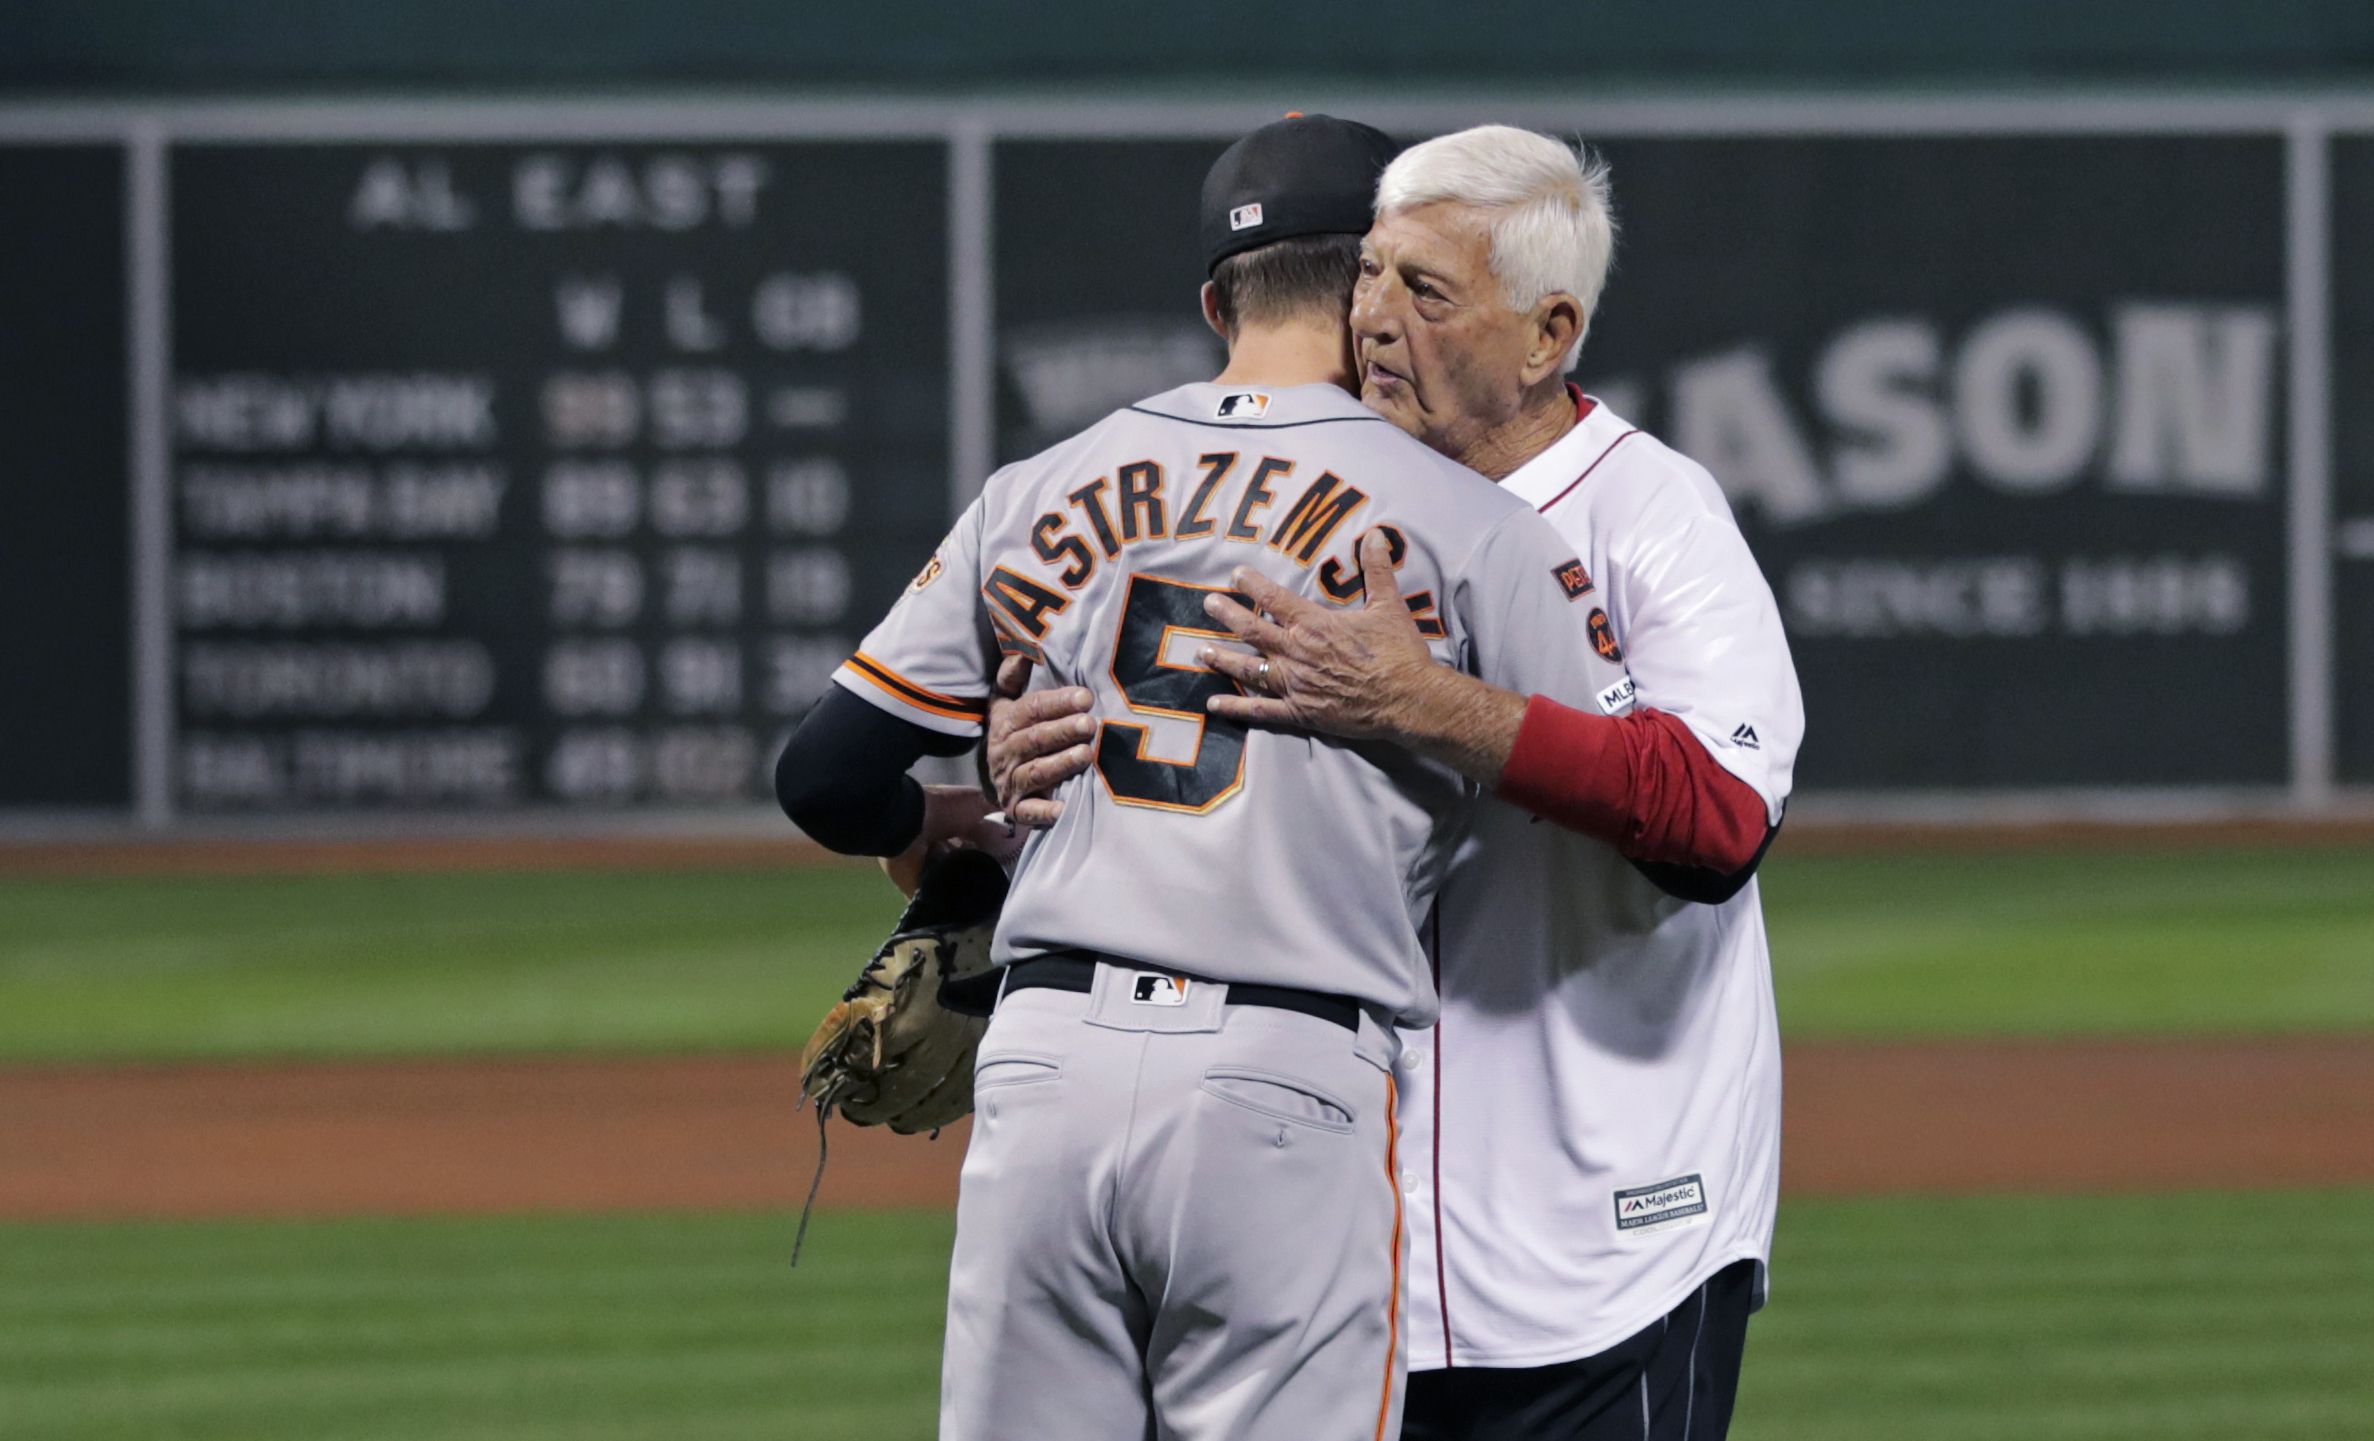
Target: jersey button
(1413, 1058)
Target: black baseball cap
(1303, 175)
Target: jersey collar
(1551, 473)
(1257, 407)
(1548, 475)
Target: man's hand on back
(1037, 741)
(1348, 672)
(1359, 672)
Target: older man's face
(1440, 352)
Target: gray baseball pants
(1179, 1220)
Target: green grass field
(2217, 1317)
(2171, 1318)
(2031, 943)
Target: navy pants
(1673, 1381)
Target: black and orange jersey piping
(920, 697)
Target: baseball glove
(893, 1052)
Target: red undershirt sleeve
(1641, 782)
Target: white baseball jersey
(1194, 844)
(1594, 1127)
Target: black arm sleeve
(843, 776)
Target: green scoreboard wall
(485, 458)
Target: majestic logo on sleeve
(1746, 739)
(1603, 638)
(1244, 405)
(1668, 1205)
(930, 572)
(1573, 579)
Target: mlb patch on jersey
(1620, 696)
(1243, 405)
(1244, 217)
(1668, 1205)
(1151, 989)
(1575, 580)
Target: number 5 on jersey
(1159, 614)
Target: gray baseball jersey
(1195, 844)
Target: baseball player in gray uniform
(1179, 1214)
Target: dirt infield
(718, 1133)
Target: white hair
(1552, 226)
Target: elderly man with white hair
(1592, 1152)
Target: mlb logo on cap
(1244, 405)
(1244, 217)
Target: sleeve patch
(1573, 579)
(1603, 637)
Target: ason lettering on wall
(2011, 460)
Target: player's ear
(1557, 321)
(1211, 310)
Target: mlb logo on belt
(1244, 405)
(1151, 989)
(1244, 217)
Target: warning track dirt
(718, 1133)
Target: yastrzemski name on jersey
(1194, 843)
